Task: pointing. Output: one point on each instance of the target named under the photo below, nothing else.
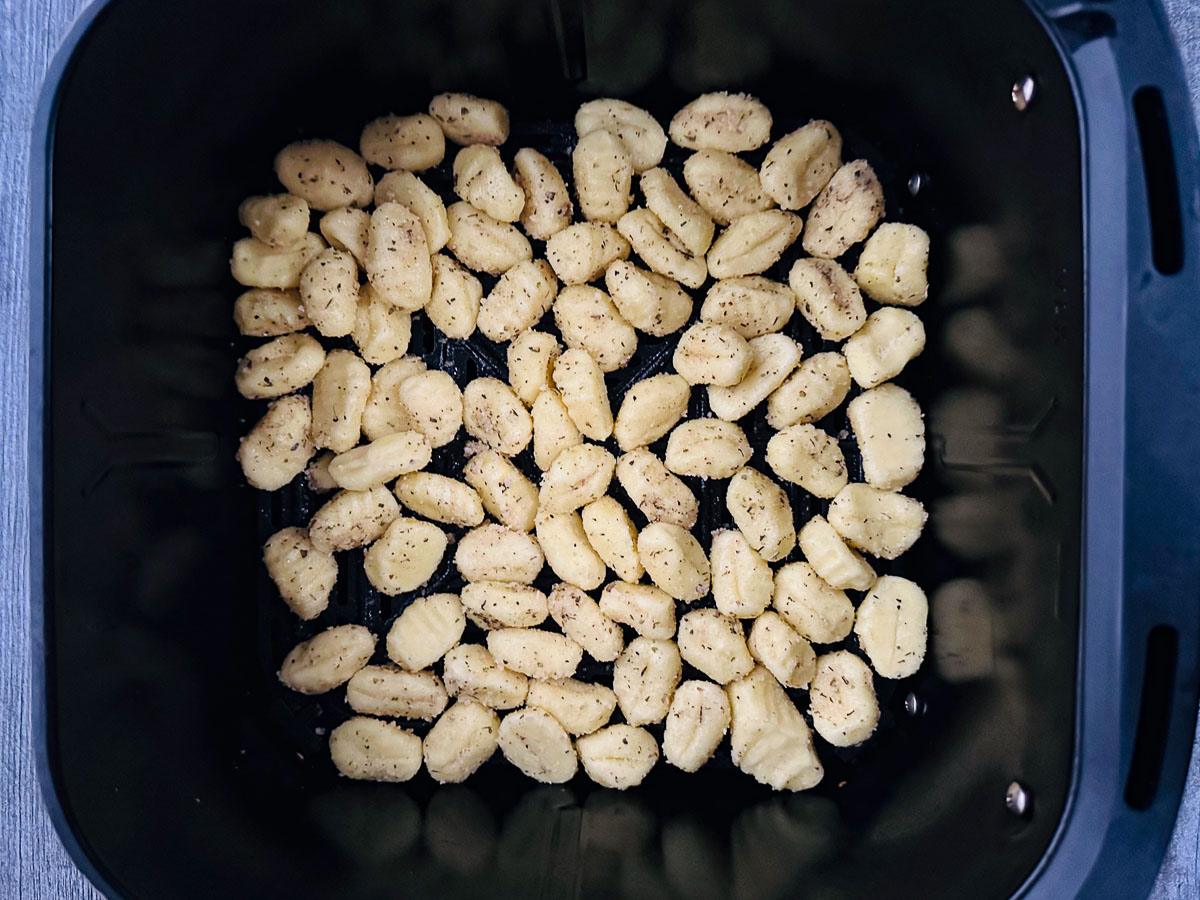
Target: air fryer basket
(177, 767)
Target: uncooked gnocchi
(609, 263)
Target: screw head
(1018, 799)
(1022, 92)
(914, 705)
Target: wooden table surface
(33, 864)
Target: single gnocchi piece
(651, 408)
(893, 265)
(531, 356)
(303, 575)
(890, 431)
(661, 249)
(883, 523)
(775, 356)
(393, 693)
(405, 557)
(712, 354)
(581, 252)
(384, 412)
(845, 211)
(339, 399)
(425, 631)
(553, 429)
(470, 672)
(493, 414)
(347, 229)
(751, 305)
(707, 448)
(380, 461)
(482, 179)
(619, 756)
(588, 320)
(578, 476)
(326, 174)
(768, 737)
(263, 312)
(734, 123)
(397, 262)
(696, 723)
(680, 213)
(278, 447)
(807, 456)
(495, 553)
(440, 498)
(762, 513)
(817, 387)
(454, 299)
(580, 383)
(467, 119)
(567, 550)
(414, 143)
(674, 560)
(649, 302)
(499, 604)
(579, 707)
(279, 367)
(421, 200)
(603, 172)
(352, 519)
(518, 301)
(507, 495)
(368, 749)
(533, 741)
(548, 208)
(839, 565)
(482, 243)
(742, 583)
(259, 265)
(715, 644)
(880, 350)
(433, 405)
(786, 655)
(613, 536)
(328, 659)
(460, 741)
(277, 220)
(841, 699)
(381, 331)
(639, 132)
(580, 618)
(535, 653)
(827, 297)
(648, 610)
(819, 613)
(659, 495)
(892, 626)
(725, 186)
(645, 676)
(753, 243)
(800, 164)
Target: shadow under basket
(1041, 749)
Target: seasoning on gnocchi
(490, 291)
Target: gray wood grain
(33, 864)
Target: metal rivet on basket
(915, 183)
(914, 705)
(1022, 92)
(1018, 799)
